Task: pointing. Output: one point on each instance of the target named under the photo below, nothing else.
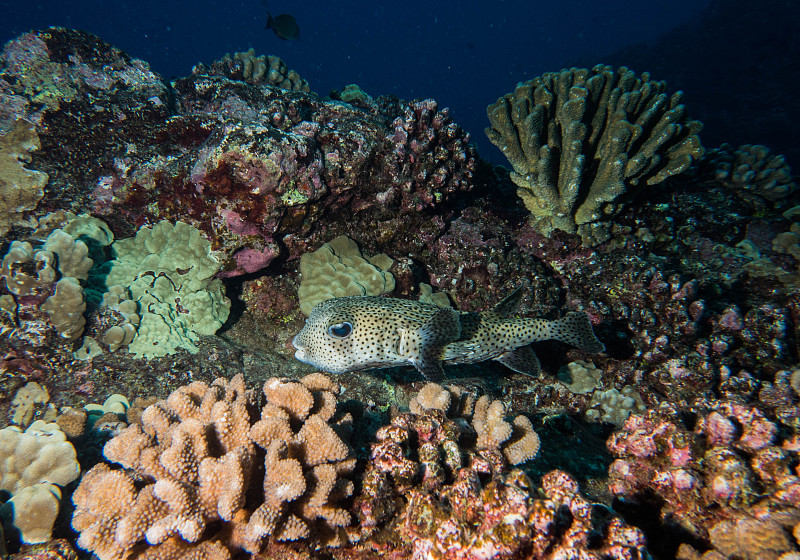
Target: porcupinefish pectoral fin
(509, 304)
(522, 360)
(575, 329)
(437, 332)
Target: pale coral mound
(33, 464)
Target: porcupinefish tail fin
(509, 304)
(522, 360)
(439, 331)
(575, 329)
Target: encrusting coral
(190, 485)
(168, 269)
(582, 141)
(338, 269)
(20, 188)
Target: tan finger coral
(190, 488)
(583, 141)
(489, 422)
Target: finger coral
(583, 141)
(714, 481)
(753, 172)
(190, 485)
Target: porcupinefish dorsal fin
(522, 360)
(575, 329)
(437, 332)
(508, 305)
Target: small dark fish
(284, 26)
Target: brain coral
(190, 486)
(339, 269)
(581, 141)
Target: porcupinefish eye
(340, 330)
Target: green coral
(169, 270)
(582, 142)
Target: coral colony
(163, 244)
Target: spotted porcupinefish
(368, 332)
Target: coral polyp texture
(583, 141)
(190, 483)
(722, 482)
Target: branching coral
(752, 172)
(431, 158)
(190, 482)
(581, 141)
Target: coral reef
(338, 269)
(713, 481)
(581, 141)
(33, 464)
(221, 179)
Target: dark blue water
(463, 54)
